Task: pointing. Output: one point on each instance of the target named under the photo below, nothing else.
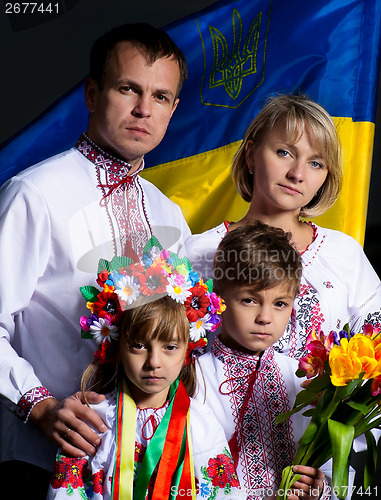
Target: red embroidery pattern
(221, 470)
(267, 448)
(127, 201)
(29, 399)
(67, 472)
(98, 480)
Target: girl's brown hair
(162, 319)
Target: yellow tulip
(363, 346)
(344, 363)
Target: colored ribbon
(123, 477)
(168, 459)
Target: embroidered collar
(232, 356)
(114, 166)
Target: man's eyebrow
(132, 83)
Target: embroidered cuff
(29, 399)
(326, 493)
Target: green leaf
(288, 479)
(103, 264)
(371, 460)
(89, 293)
(346, 328)
(341, 436)
(178, 262)
(358, 406)
(209, 284)
(284, 416)
(152, 242)
(118, 262)
(300, 373)
(86, 335)
(309, 433)
(308, 413)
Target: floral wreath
(123, 280)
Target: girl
(149, 321)
(287, 167)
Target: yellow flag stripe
(203, 188)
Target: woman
(287, 167)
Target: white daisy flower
(199, 328)
(176, 290)
(126, 289)
(102, 329)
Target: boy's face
(254, 320)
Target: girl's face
(286, 174)
(151, 366)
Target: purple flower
(337, 336)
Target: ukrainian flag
(240, 52)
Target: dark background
(44, 55)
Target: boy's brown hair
(257, 255)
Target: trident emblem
(234, 56)
(230, 68)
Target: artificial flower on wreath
(122, 281)
(343, 397)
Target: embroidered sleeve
(326, 493)
(29, 399)
(71, 477)
(218, 478)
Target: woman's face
(286, 174)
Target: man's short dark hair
(259, 256)
(155, 42)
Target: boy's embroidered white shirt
(338, 284)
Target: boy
(246, 383)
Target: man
(57, 219)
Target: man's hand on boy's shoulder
(67, 423)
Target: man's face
(130, 114)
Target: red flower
(98, 480)
(139, 453)
(221, 470)
(107, 304)
(106, 352)
(193, 348)
(102, 278)
(154, 282)
(196, 304)
(68, 471)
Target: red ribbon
(173, 442)
(111, 187)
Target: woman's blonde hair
(162, 319)
(297, 111)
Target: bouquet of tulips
(343, 399)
